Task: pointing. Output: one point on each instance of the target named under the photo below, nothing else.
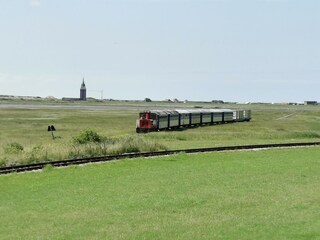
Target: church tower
(83, 91)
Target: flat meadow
(24, 137)
(266, 194)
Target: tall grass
(128, 144)
(74, 149)
(28, 127)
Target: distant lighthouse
(83, 91)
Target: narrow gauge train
(156, 120)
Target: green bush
(37, 154)
(13, 148)
(88, 136)
(3, 162)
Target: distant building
(83, 91)
(83, 94)
(310, 102)
(217, 101)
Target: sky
(201, 50)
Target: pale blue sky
(234, 50)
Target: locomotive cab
(146, 122)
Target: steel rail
(79, 161)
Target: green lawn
(269, 194)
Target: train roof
(187, 111)
(164, 112)
(203, 110)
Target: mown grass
(270, 194)
(28, 127)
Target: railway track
(80, 161)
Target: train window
(142, 115)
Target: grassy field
(269, 194)
(27, 126)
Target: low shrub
(37, 154)
(88, 136)
(13, 148)
(3, 162)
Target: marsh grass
(119, 145)
(135, 144)
(28, 127)
(14, 147)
